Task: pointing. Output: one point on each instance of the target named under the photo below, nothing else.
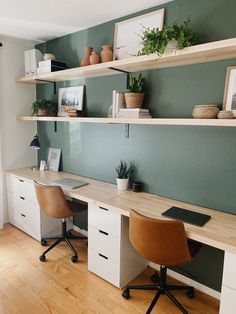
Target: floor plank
(29, 286)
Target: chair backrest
(161, 241)
(52, 200)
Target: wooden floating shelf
(214, 51)
(154, 121)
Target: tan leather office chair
(163, 242)
(52, 201)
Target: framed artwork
(127, 38)
(54, 155)
(229, 102)
(70, 99)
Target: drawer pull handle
(103, 232)
(21, 180)
(21, 197)
(103, 208)
(103, 256)
(22, 215)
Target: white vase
(171, 46)
(122, 184)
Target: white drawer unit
(24, 214)
(101, 241)
(24, 211)
(110, 253)
(104, 267)
(104, 219)
(22, 187)
(228, 291)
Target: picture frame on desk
(54, 155)
(229, 102)
(70, 99)
(128, 33)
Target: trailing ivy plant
(184, 36)
(156, 41)
(44, 104)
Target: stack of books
(118, 102)
(135, 113)
(32, 58)
(48, 66)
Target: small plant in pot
(44, 107)
(123, 172)
(134, 98)
(177, 36)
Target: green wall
(192, 164)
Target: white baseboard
(190, 282)
(82, 231)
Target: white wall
(15, 99)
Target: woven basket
(205, 111)
(225, 114)
(134, 100)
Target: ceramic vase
(94, 58)
(122, 184)
(106, 53)
(87, 54)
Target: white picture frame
(70, 98)
(127, 37)
(54, 155)
(229, 102)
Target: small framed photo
(229, 102)
(70, 99)
(54, 155)
(128, 33)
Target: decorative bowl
(225, 114)
(206, 111)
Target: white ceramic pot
(122, 184)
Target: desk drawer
(25, 215)
(229, 274)
(21, 187)
(104, 267)
(104, 219)
(104, 243)
(227, 300)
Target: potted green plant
(44, 107)
(123, 172)
(156, 41)
(134, 98)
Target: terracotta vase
(94, 58)
(106, 53)
(87, 54)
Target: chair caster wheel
(44, 242)
(74, 259)
(126, 294)
(190, 293)
(42, 258)
(155, 277)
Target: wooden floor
(29, 286)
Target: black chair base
(65, 236)
(162, 289)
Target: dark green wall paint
(192, 164)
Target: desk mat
(188, 216)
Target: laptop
(70, 183)
(191, 217)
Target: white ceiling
(47, 19)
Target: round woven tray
(205, 111)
